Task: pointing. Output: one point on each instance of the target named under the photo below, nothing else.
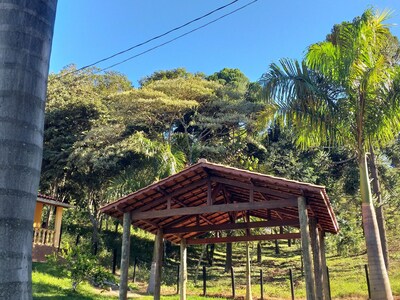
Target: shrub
(80, 265)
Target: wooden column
(325, 282)
(159, 253)
(248, 273)
(306, 248)
(152, 279)
(57, 226)
(126, 238)
(37, 220)
(183, 271)
(315, 244)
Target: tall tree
(25, 39)
(344, 94)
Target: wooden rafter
(235, 239)
(231, 226)
(256, 188)
(198, 210)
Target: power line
(158, 46)
(176, 38)
(151, 39)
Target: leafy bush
(80, 265)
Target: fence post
(367, 276)
(261, 284)
(291, 283)
(134, 270)
(114, 261)
(204, 281)
(329, 283)
(233, 283)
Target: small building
(46, 238)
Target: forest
(332, 119)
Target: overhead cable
(174, 39)
(151, 39)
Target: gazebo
(211, 197)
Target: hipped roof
(193, 187)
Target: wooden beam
(183, 271)
(268, 191)
(126, 240)
(182, 219)
(159, 254)
(217, 189)
(323, 265)
(306, 249)
(198, 210)
(231, 226)
(175, 193)
(235, 239)
(315, 245)
(248, 273)
(209, 191)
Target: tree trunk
(210, 254)
(228, 257)
(25, 38)
(379, 209)
(259, 254)
(196, 273)
(379, 280)
(228, 254)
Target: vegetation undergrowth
(347, 277)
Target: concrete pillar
(306, 248)
(183, 271)
(126, 239)
(37, 220)
(57, 226)
(315, 244)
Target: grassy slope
(347, 278)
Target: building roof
(51, 201)
(208, 194)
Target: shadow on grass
(48, 269)
(51, 291)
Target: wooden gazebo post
(316, 259)
(154, 286)
(183, 271)
(159, 252)
(323, 265)
(126, 239)
(248, 273)
(306, 248)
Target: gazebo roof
(208, 197)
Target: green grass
(347, 277)
(47, 283)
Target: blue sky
(251, 39)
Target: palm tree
(25, 39)
(344, 94)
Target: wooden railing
(43, 236)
